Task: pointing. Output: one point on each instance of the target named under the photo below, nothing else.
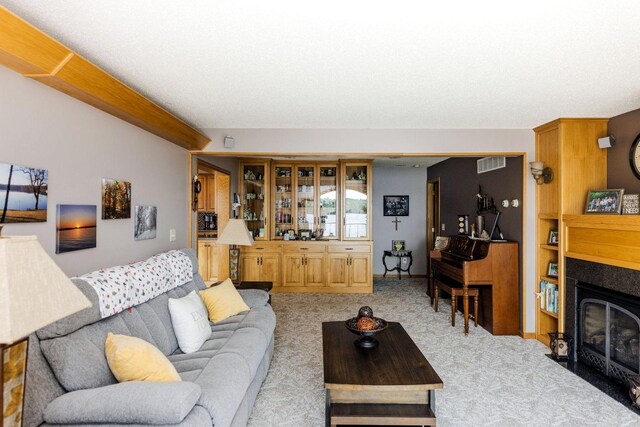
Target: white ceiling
(360, 64)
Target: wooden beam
(32, 53)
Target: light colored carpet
(488, 381)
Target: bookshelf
(569, 147)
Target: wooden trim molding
(605, 239)
(32, 53)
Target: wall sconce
(542, 174)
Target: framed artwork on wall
(76, 228)
(116, 199)
(396, 205)
(23, 193)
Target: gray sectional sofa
(69, 381)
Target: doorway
(433, 212)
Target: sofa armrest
(254, 297)
(134, 402)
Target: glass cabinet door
(283, 201)
(254, 194)
(305, 197)
(328, 204)
(356, 201)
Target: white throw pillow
(190, 322)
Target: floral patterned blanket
(125, 286)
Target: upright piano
(490, 266)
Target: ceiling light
(416, 166)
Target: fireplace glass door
(609, 338)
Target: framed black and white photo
(396, 205)
(145, 224)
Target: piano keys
(490, 266)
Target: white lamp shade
(236, 233)
(536, 166)
(34, 291)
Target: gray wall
(392, 181)
(79, 145)
(625, 128)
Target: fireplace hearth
(602, 312)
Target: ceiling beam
(32, 53)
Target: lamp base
(13, 370)
(234, 264)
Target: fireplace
(608, 328)
(602, 313)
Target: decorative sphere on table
(366, 324)
(365, 311)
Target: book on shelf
(549, 296)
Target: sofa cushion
(134, 359)
(189, 319)
(254, 297)
(223, 301)
(125, 403)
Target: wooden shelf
(549, 247)
(549, 279)
(551, 216)
(549, 313)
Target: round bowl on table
(366, 339)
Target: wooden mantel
(32, 53)
(605, 239)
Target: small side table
(399, 255)
(265, 286)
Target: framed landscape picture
(116, 199)
(396, 205)
(23, 193)
(76, 228)
(145, 222)
(604, 201)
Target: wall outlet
(442, 227)
(172, 235)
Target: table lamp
(236, 234)
(34, 293)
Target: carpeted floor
(488, 381)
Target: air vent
(487, 164)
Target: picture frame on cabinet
(605, 202)
(553, 237)
(553, 269)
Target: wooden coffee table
(391, 384)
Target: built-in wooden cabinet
(254, 195)
(303, 265)
(570, 148)
(331, 200)
(356, 200)
(208, 261)
(314, 266)
(305, 199)
(207, 196)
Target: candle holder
(560, 345)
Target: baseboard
(528, 335)
(395, 276)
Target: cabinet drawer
(259, 247)
(302, 248)
(349, 248)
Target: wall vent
(487, 164)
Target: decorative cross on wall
(396, 221)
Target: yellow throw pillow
(134, 359)
(223, 301)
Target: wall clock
(634, 156)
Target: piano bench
(455, 292)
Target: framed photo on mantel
(604, 202)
